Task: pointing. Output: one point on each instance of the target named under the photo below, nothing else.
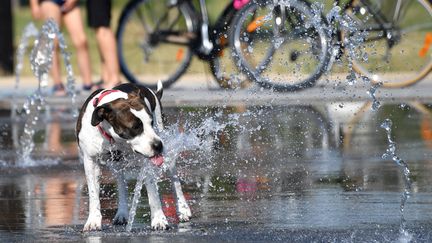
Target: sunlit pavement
(206, 93)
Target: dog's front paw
(159, 222)
(184, 212)
(121, 218)
(94, 222)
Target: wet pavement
(256, 165)
(311, 173)
(199, 91)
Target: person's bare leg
(75, 26)
(52, 10)
(108, 50)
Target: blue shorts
(58, 2)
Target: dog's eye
(137, 125)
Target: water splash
(376, 104)
(179, 138)
(70, 78)
(41, 58)
(355, 35)
(29, 31)
(339, 22)
(352, 43)
(137, 195)
(334, 14)
(405, 236)
(351, 77)
(42, 53)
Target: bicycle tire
(279, 46)
(409, 60)
(160, 59)
(223, 68)
(221, 63)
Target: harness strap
(103, 94)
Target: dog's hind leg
(158, 219)
(92, 171)
(183, 210)
(122, 211)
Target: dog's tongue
(157, 160)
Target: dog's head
(132, 120)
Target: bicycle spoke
(142, 21)
(418, 27)
(278, 46)
(161, 31)
(398, 46)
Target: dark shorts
(58, 2)
(98, 13)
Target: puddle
(304, 173)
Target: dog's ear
(139, 93)
(99, 114)
(159, 90)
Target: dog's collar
(104, 93)
(96, 101)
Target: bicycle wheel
(153, 41)
(397, 51)
(223, 67)
(283, 47)
(221, 62)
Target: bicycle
(280, 45)
(164, 35)
(397, 49)
(385, 42)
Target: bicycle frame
(206, 37)
(206, 44)
(389, 28)
(210, 34)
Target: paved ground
(308, 192)
(205, 92)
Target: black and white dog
(121, 121)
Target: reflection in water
(93, 239)
(54, 138)
(287, 167)
(11, 208)
(411, 122)
(37, 201)
(60, 202)
(58, 141)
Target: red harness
(96, 101)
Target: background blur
(21, 16)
